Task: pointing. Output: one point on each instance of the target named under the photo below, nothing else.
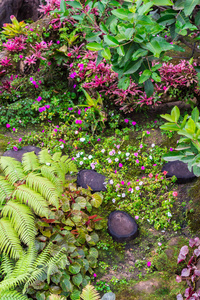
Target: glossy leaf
(172, 156)
(189, 6)
(148, 87)
(195, 115)
(133, 67)
(94, 46)
(74, 4)
(175, 114)
(74, 268)
(170, 126)
(144, 76)
(111, 41)
(106, 53)
(77, 279)
(96, 199)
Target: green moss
(193, 212)
(3, 143)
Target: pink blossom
(150, 175)
(147, 132)
(120, 165)
(78, 121)
(15, 148)
(137, 161)
(95, 275)
(8, 125)
(171, 149)
(14, 129)
(39, 99)
(98, 140)
(135, 154)
(141, 146)
(142, 168)
(175, 194)
(134, 123)
(20, 56)
(136, 217)
(128, 183)
(122, 182)
(69, 54)
(126, 120)
(20, 139)
(148, 264)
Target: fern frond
(25, 263)
(9, 241)
(12, 169)
(30, 162)
(89, 293)
(44, 157)
(32, 199)
(59, 171)
(22, 220)
(44, 256)
(57, 156)
(57, 297)
(6, 189)
(12, 295)
(52, 264)
(50, 173)
(43, 186)
(7, 266)
(67, 164)
(11, 283)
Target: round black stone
(19, 153)
(92, 179)
(180, 170)
(122, 227)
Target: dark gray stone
(92, 179)
(21, 9)
(180, 170)
(122, 227)
(19, 153)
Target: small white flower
(81, 162)
(118, 195)
(81, 153)
(82, 139)
(76, 132)
(152, 145)
(123, 195)
(169, 214)
(78, 155)
(127, 158)
(119, 152)
(137, 188)
(48, 164)
(150, 157)
(92, 165)
(84, 158)
(116, 159)
(103, 150)
(62, 146)
(127, 154)
(109, 160)
(113, 200)
(90, 156)
(112, 114)
(111, 181)
(141, 183)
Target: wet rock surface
(91, 179)
(180, 170)
(122, 227)
(19, 153)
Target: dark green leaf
(189, 6)
(123, 83)
(77, 279)
(110, 41)
(121, 13)
(74, 4)
(145, 75)
(132, 67)
(139, 53)
(149, 88)
(74, 268)
(167, 20)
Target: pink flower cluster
(16, 44)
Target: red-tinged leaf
(197, 241)
(99, 219)
(178, 279)
(184, 250)
(193, 278)
(197, 272)
(185, 272)
(192, 242)
(92, 217)
(69, 259)
(190, 261)
(179, 297)
(196, 252)
(181, 257)
(48, 220)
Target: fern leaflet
(14, 295)
(12, 169)
(22, 220)
(6, 266)
(89, 293)
(30, 162)
(6, 189)
(9, 241)
(50, 173)
(32, 199)
(44, 157)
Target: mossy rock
(3, 143)
(193, 211)
(167, 260)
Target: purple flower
(7, 125)
(98, 140)
(134, 123)
(120, 165)
(142, 168)
(47, 106)
(70, 108)
(41, 109)
(15, 148)
(39, 99)
(147, 132)
(58, 42)
(20, 139)
(148, 264)
(171, 149)
(73, 75)
(126, 120)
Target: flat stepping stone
(19, 153)
(180, 170)
(122, 227)
(91, 179)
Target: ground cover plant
(75, 77)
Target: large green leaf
(190, 126)
(148, 87)
(74, 4)
(74, 268)
(175, 114)
(132, 67)
(189, 6)
(94, 46)
(170, 126)
(121, 13)
(195, 115)
(110, 41)
(106, 53)
(145, 75)
(77, 279)
(162, 2)
(97, 199)
(172, 156)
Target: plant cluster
(191, 272)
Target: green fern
(9, 241)
(12, 295)
(57, 156)
(30, 162)
(22, 220)
(12, 169)
(7, 266)
(25, 195)
(57, 297)
(51, 174)
(44, 157)
(43, 186)
(89, 293)
(6, 189)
